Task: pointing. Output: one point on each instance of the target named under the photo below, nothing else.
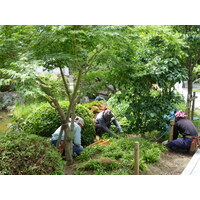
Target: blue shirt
(76, 136)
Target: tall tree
(152, 55)
(191, 35)
(80, 48)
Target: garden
(135, 69)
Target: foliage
(25, 154)
(150, 55)
(145, 54)
(45, 120)
(22, 111)
(197, 124)
(191, 59)
(118, 155)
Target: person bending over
(103, 122)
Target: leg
(180, 143)
(54, 142)
(77, 149)
(99, 130)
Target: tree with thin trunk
(191, 60)
(79, 48)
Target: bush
(45, 120)
(25, 154)
(95, 107)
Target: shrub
(25, 154)
(45, 120)
(95, 107)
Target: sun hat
(79, 120)
(180, 114)
(108, 114)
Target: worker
(103, 122)
(186, 128)
(78, 124)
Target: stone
(9, 108)
(1, 117)
(8, 99)
(10, 115)
(85, 99)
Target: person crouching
(186, 128)
(78, 124)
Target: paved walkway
(184, 92)
(193, 167)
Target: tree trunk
(190, 86)
(190, 76)
(68, 144)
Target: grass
(4, 123)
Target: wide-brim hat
(79, 120)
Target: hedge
(27, 154)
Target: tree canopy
(125, 61)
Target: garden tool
(100, 142)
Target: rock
(9, 108)
(85, 99)
(1, 117)
(8, 99)
(10, 115)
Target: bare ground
(171, 163)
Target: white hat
(79, 120)
(108, 113)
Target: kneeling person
(186, 128)
(78, 124)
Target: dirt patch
(171, 163)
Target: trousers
(180, 143)
(76, 149)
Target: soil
(171, 163)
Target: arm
(102, 124)
(116, 123)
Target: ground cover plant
(117, 157)
(26, 154)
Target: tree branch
(65, 84)
(93, 57)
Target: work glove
(115, 136)
(121, 131)
(165, 142)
